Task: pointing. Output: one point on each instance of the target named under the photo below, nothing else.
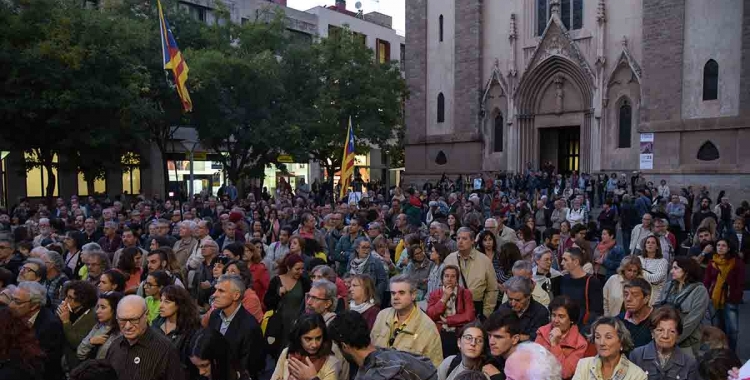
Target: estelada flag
(347, 164)
(173, 61)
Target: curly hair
(86, 292)
(18, 342)
(480, 241)
(188, 319)
(127, 260)
(509, 254)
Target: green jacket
(74, 334)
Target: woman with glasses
(178, 320)
(96, 344)
(77, 315)
(152, 287)
(471, 356)
(661, 358)
(309, 354)
(561, 336)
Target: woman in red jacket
(725, 281)
(450, 307)
(561, 336)
(254, 260)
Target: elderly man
(477, 273)
(641, 232)
(405, 327)
(203, 235)
(667, 245)
(111, 241)
(321, 299)
(162, 229)
(440, 233)
(97, 263)
(140, 352)
(558, 214)
(33, 270)
(45, 233)
(503, 233)
(29, 302)
(237, 325)
(9, 258)
(56, 276)
(531, 313)
(531, 361)
(637, 295)
(523, 268)
(184, 247)
(350, 332)
(201, 280)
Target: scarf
(450, 309)
(357, 265)
(724, 266)
(318, 362)
(361, 308)
(604, 248)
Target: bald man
(140, 353)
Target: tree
(68, 75)
(348, 82)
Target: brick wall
(663, 37)
(468, 71)
(745, 73)
(416, 70)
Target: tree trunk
(90, 186)
(164, 167)
(51, 183)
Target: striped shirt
(152, 357)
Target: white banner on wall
(647, 151)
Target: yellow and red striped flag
(347, 164)
(173, 61)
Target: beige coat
(329, 371)
(480, 275)
(591, 369)
(420, 336)
(613, 297)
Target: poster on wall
(647, 151)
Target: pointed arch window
(711, 80)
(571, 14)
(440, 28)
(625, 125)
(441, 108)
(708, 152)
(498, 129)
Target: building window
(571, 14)
(711, 80)
(402, 57)
(384, 51)
(131, 174)
(100, 186)
(36, 177)
(499, 132)
(440, 27)
(361, 38)
(197, 12)
(334, 31)
(625, 125)
(441, 108)
(708, 152)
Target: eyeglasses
(133, 321)
(468, 339)
(18, 302)
(28, 269)
(308, 296)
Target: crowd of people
(519, 277)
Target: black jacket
(245, 341)
(49, 332)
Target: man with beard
(703, 213)
(704, 250)
(349, 331)
(45, 232)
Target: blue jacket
(613, 260)
(642, 206)
(680, 365)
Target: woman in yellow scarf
(725, 280)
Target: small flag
(173, 61)
(347, 164)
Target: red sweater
(735, 281)
(260, 280)
(465, 312)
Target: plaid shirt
(53, 288)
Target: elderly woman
(661, 358)
(419, 268)
(725, 279)
(561, 336)
(362, 261)
(655, 266)
(450, 307)
(687, 294)
(544, 276)
(612, 341)
(363, 298)
(630, 268)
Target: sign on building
(647, 151)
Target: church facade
(588, 85)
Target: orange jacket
(568, 352)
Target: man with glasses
(403, 326)
(140, 352)
(321, 299)
(29, 301)
(532, 314)
(33, 270)
(96, 263)
(640, 232)
(9, 258)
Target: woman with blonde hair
(362, 297)
(630, 268)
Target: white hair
(38, 251)
(37, 292)
(545, 365)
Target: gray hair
(57, 259)
(360, 241)
(492, 221)
(211, 243)
(539, 252)
(522, 265)
(542, 364)
(42, 220)
(192, 226)
(406, 279)
(111, 224)
(465, 230)
(42, 272)
(330, 290)
(91, 247)
(103, 259)
(626, 340)
(37, 292)
(325, 271)
(38, 251)
(518, 284)
(235, 281)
